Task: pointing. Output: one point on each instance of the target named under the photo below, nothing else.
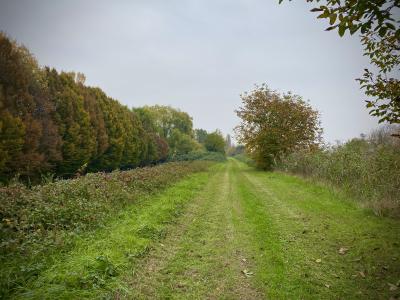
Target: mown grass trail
(257, 235)
(234, 233)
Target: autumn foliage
(274, 125)
(51, 122)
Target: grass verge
(49, 219)
(310, 243)
(95, 266)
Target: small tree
(274, 125)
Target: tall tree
(215, 142)
(26, 111)
(53, 122)
(200, 135)
(175, 126)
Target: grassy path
(203, 256)
(233, 233)
(257, 235)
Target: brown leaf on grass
(343, 250)
(247, 273)
(392, 287)
(180, 285)
(327, 285)
(362, 274)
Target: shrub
(369, 169)
(243, 157)
(201, 155)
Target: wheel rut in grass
(204, 255)
(254, 235)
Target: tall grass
(245, 158)
(367, 167)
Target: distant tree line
(51, 122)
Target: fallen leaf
(392, 287)
(343, 250)
(327, 285)
(247, 273)
(318, 260)
(362, 274)
(244, 260)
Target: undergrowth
(47, 218)
(102, 259)
(366, 168)
(201, 155)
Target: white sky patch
(198, 56)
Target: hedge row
(44, 219)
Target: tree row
(51, 122)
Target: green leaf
(390, 26)
(331, 28)
(382, 31)
(342, 29)
(332, 19)
(325, 14)
(353, 29)
(316, 9)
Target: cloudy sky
(198, 55)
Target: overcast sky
(198, 55)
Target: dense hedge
(51, 122)
(38, 221)
(243, 157)
(369, 169)
(201, 155)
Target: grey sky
(198, 55)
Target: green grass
(203, 254)
(98, 261)
(285, 233)
(368, 170)
(297, 230)
(47, 219)
(233, 233)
